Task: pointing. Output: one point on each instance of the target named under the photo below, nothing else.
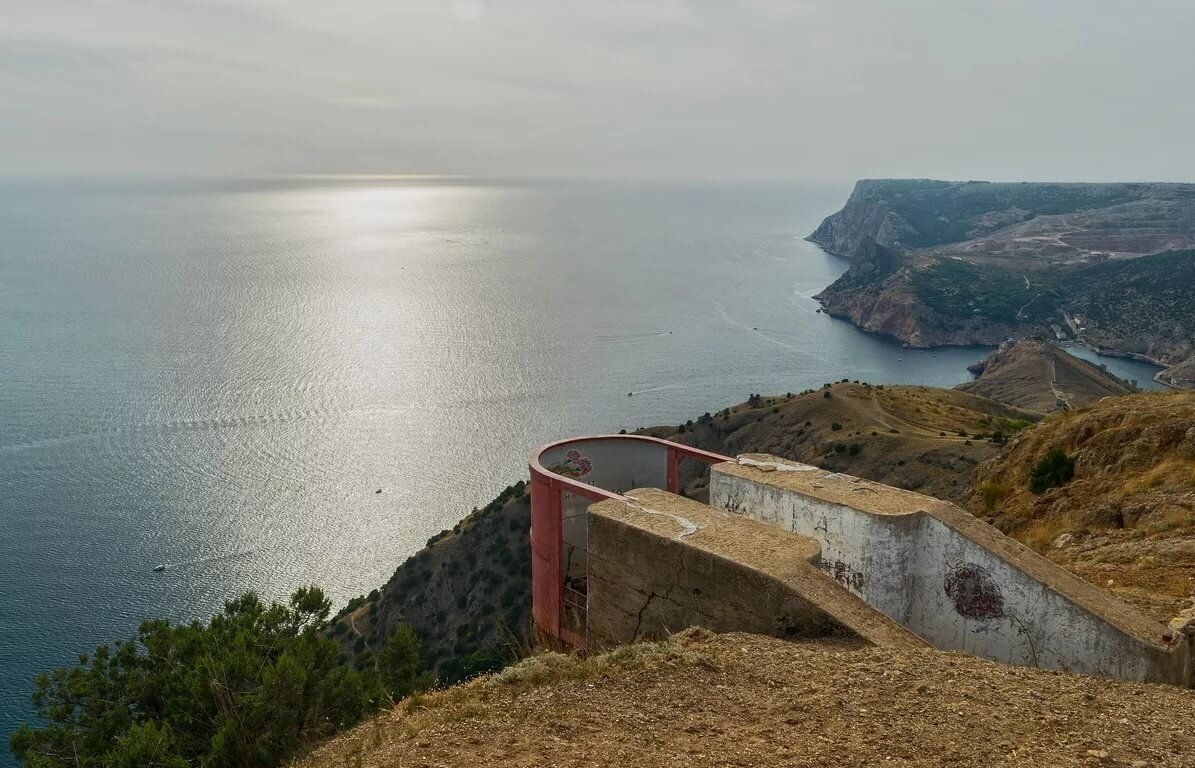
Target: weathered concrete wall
(953, 580)
(661, 563)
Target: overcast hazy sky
(817, 89)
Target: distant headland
(1110, 266)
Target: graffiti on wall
(973, 591)
(575, 465)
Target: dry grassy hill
(1041, 377)
(1130, 508)
(919, 438)
(745, 700)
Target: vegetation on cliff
(254, 686)
(467, 594)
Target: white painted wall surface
(900, 565)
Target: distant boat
(160, 568)
(378, 490)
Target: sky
(722, 89)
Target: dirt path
(890, 420)
(1061, 396)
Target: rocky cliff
(934, 262)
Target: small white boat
(160, 568)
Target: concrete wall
(660, 563)
(953, 580)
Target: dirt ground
(745, 700)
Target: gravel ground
(745, 700)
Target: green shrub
(398, 665)
(255, 686)
(1056, 468)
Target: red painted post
(547, 578)
(672, 484)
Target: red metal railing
(548, 488)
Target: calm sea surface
(219, 375)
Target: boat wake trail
(766, 335)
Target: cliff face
(466, 594)
(889, 305)
(936, 263)
(866, 218)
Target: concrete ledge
(949, 577)
(660, 562)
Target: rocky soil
(745, 700)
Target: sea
(219, 375)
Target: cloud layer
(821, 89)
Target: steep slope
(974, 262)
(745, 700)
(1043, 378)
(467, 594)
(1128, 512)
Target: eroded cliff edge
(938, 262)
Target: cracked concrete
(650, 574)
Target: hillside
(1041, 377)
(467, 594)
(1129, 511)
(918, 438)
(745, 700)
(932, 262)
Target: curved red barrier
(566, 476)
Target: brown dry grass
(743, 700)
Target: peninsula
(933, 263)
